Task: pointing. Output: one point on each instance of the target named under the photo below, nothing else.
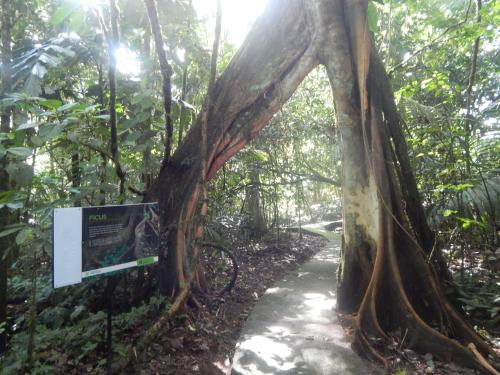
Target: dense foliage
(54, 150)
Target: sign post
(91, 241)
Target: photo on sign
(118, 235)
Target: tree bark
(184, 84)
(403, 292)
(166, 73)
(469, 95)
(113, 43)
(254, 216)
(260, 78)
(6, 217)
(76, 175)
(385, 277)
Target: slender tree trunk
(6, 217)
(299, 192)
(166, 73)
(112, 47)
(469, 95)
(104, 159)
(184, 84)
(76, 175)
(146, 174)
(254, 215)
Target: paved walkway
(294, 329)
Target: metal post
(112, 281)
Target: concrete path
(294, 329)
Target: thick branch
(276, 57)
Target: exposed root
(194, 301)
(362, 345)
(482, 360)
(404, 291)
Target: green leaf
(21, 173)
(102, 117)
(27, 125)
(24, 235)
(447, 213)
(141, 117)
(3, 151)
(64, 51)
(49, 60)
(77, 312)
(372, 17)
(22, 152)
(66, 106)
(36, 140)
(15, 205)
(468, 222)
(7, 196)
(51, 131)
(39, 70)
(12, 229)
(146, 103)
(188, 106)
(32, 85)
(50, 103)
(90, 108)
(261, 155)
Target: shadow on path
(294, 329)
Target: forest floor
(202, 340)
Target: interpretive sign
(90, 241)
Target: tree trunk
(76, 175)
(385, 262)
(113, 43)
(253, 209)
(386, 277)
(166, 73)
(185, 66)
(6, 216)
(277, 56)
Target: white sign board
(67, 246)
(92, 241)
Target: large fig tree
(387, 278)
